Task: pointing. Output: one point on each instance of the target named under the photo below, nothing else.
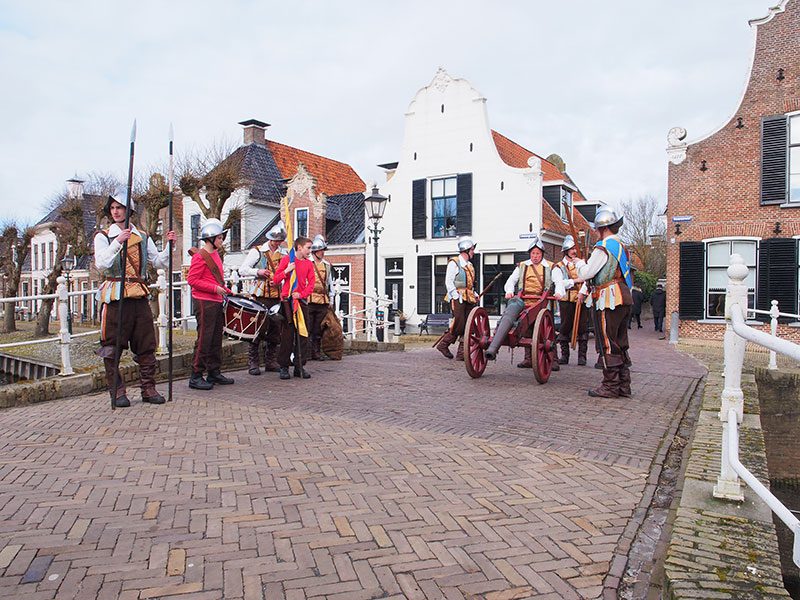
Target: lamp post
(375, 204)
(67, 264)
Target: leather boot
(216, 376)
(582, 347)
(555, 361)
(599, 363)
(302, 373)
(270, 358)
(527, 361)
(610, 386)
(624, 381)
(460, 351)
(121, 401)
(196, 382)
(252, 358)
(314, 345)
(564, 360)
(147, 378)
(444, 344)
(284, 373)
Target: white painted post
(63, 332)
(373, 319)
(386, 304)
(773, 313)
(161, 285)
(235, 281)
(728, 485)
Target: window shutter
(774, 163)
(777, 275)
(692, 276)
(424, 283)
(418, 216)
(464, 204)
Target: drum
(244, 318)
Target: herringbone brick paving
(393, 476)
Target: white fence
(367, 322)
(737, 334)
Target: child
(290, 338)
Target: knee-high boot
(527, 362)
(460, 351)
(147, 378)
(270, 357)
(610, 386)
(564, 360)
(582, 347)
(443, 345)
(624, 381)
(252, 357)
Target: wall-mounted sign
(527, 236)
(341, 273)
(682, 219)
(394, 267)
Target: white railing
(737, 334)
(373, 317)
(774, 315)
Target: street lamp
(67, 264)
(375, 204)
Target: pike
(573, 340)
(486, 289)
(118, 350)
(169, 276)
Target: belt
(599, 288)
(130, 279)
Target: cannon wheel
(544, 335)
(476, 340)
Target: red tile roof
(333, 177)
(516, 156)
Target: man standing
(534, 276)
(137, 331)
(262, 262)
(320, 300)
(459, 280)
(636, 311)
(608, 275)
(208, 291)
(565, 276)
(658, 301)
(292, 301)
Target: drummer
(262, 262)
(536, 275)
(208, 291)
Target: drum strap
(212, 266)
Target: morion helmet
(120, 196)
(465, 243)
(605, 217)
(211, 229)
(277, 233)
(568, 244)
(318, 243)
(536, 242)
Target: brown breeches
(461, 311)
(210, 317)
(611, 329)
(567, 311)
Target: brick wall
(723, 200)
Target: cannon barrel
(510, 315)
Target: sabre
(486, 289)
(573, 340)
(169, 276)
(117, 348)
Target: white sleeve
(511, 282)
(331, 295)
(560, 282)
(105, 252)
(160, 260)
(450, 280)
(597, 260)
(247, 268)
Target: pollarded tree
(643, 232)
(15, 246)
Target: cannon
(512, 330)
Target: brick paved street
(394, 476)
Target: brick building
(738, 190)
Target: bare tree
(15, 246)
(644, 232)
(211, 176)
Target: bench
(435, 320)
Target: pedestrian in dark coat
(636, 309)
(659, 303)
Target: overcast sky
(599, 83)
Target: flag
(299, 320)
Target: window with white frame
(718, 256)
(301, 223)
(794, 158)
(444, 205)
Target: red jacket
(305, 277)
(202, 281)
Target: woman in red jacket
(305, 285)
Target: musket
(486, 289)
(169, 275)
(573, 341)
(117, 348)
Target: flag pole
(170, 308)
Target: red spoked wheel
(476, 341)
(544, 336)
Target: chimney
(254, 131)
(75, 188)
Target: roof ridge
(309, 152)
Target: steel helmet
(568, 243)
(465, 243)
(318, 243)
(211, 229)
(120, 196)
(536, 243)
(277, 233)
(605, 217)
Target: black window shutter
(424, 284)
(418, 216)
(464, 204)
(552, 195)
(692, 276)
(777, 275)
(774, 163)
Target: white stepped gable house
(454, 177)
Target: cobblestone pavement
(389, 475)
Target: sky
(599, 83)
